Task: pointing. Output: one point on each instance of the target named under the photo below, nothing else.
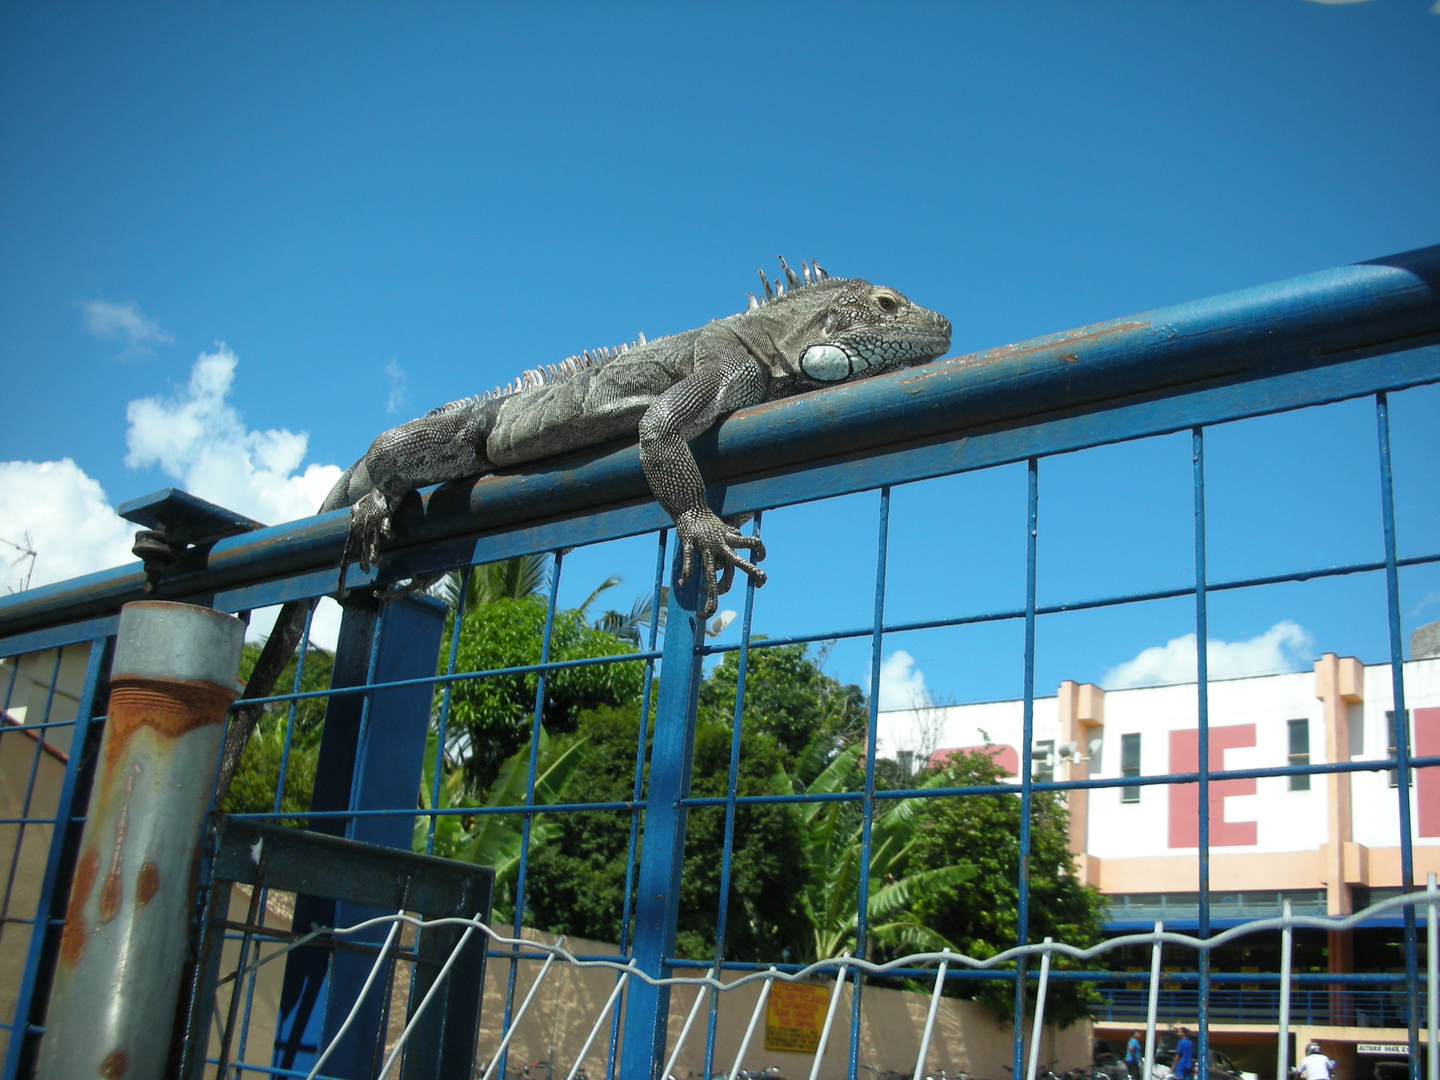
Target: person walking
(1134, 1055)
(1184, 1056)
(1315, 1065)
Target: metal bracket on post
(657, 897)
(371, 756)
(176, 522)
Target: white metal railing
(844, 964)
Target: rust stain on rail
(1068, 341)
(112, 891)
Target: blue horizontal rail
(886, 430)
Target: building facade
(1328, 843)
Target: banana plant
(833, 849)
(492, 839)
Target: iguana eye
(885, 301)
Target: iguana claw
(369, 524)
(718, 544)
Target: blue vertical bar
(1027, 751)
(370, 758)
(638, 786)
(290, 712)
(1202, 689)
(59, 865)
(662, 849)
(727, 850)
(536, 720)
(1402, 730)
(244, 1037)
(867, 817)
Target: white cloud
(124, 321)
(72, 526)
(1284, 647)
(902, 685)
(324, 627)
(201, 441)
(396, 399)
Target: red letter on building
(1185, 798)
(1427, 781)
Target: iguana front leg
(447, 444)
(726, 378)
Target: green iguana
(805, 334)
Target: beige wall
(17, 759)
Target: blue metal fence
(1367, 330)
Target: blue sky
(380, 207)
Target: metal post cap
(177, 643)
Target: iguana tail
(353, 484)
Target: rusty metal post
(123, 948)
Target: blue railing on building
(1345, 1007)
(1364, 330)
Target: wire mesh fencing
(353, 735)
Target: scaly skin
(663, 393)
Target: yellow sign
(794, 1015)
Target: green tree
(258, 774)
(981, 918)
(789, 698)
(577, 880)
(491, 718)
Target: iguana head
(833, 330)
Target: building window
(1043, 762)
(1130, 765)
(1390, 742)
(1299, 752)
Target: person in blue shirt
(1134, 1054)
(1184, 1056)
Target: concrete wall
(967, 1036)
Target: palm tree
(526, 575)
(513, 578)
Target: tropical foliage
(490, 719)
(576, 882)
(488, 838)
(833, 856)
